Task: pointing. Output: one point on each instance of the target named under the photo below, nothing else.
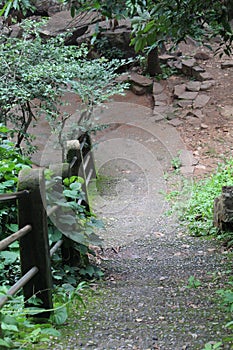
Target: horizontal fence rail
(13, 196)
(15, 236)
(35, 253)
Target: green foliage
(66, 297)
(213, 346)
(193, 282)
(20, 331)
(176, 162)
(155, 21)
(226, 301)
(72, 219)
(75, 222)
(18, 7)
(34, 74)
(11, 162)
(109, 8)
(196, 211)
(167, 72)
(227, 297)
(105, 49)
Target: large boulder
(62, 22)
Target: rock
(177, 65)
(170, 114)
(47, 8)
(200, 166)
(227, 111)
(191, 41)
(227, 64)
(163, 112)
(201, 101)
(164, 58)
(185, 103)
(204, 126)
(197, 113)
(202, 76)
(158, 113)
(188, 95)
(138, 90)
(201, 56)
(119, 37)
(62, 22)
(186, 157)
(123, 78)
(179, 89)
(193, 86)
(196, 71)
(160, 103)
(175, 122)
(157, 88)
(161, 97)
(195, 161)
(5, 32)
(193, 120)
(187, 66)
(223, 209)
(207, 85)
(187, 170)
(141, 80)
(16, 31)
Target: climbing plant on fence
(35, 73)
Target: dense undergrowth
(194, 203)
(17, 330)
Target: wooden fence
(35, 253)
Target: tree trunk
(153, 65)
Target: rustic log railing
(35, 253)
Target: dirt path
(143, 302)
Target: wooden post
(34, 247)
(69, 254)
(73, 150)
(88, 156)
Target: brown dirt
(211, 139)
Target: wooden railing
(35, 253)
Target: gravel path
(143, 302)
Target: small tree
(34, 74)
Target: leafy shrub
(196, 211)
(18, 331)
(11, 162)
(75, 222)
(35, 73)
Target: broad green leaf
(10, 257)
(60, 315)
(5, 343)
(51, 331)
(9, 327)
